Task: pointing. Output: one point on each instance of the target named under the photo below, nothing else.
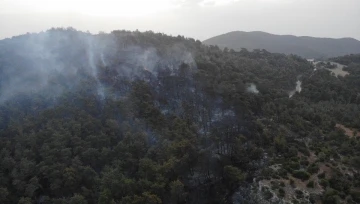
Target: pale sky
(199, 19)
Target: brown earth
(348, 131)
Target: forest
(143, 117)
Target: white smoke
(50, 62)
(103, 60)
(297, 89)
(252, 89)
(94, 70)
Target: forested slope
(348, 59)
(131, 117)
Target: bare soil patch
(348, 131)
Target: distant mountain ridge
(308, 47)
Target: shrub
(292, 152)
(304, 162)
(292, 183)
(299, 194)
(314, 198)
(233, 174)
(345, 160)
(287, 167)
(283, 173)
(313, 168)
(275, 176)
(281, 192)
(295, 201)
(301, 175)
(324, 183)
(342, 195)
(304, 150)
(321, 156)
(340, 183)
(322, 175)
(267, 173)
(294, 159)
(274, 185)
(267, 194)
(294, 165)
(349, 200)
(355, 196)
(311, 184)
(332, 200)
(331, 196)
(334, 163)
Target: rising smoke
(297, 89)
(252, 89)
(59, 60)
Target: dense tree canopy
(162, 119)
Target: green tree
(25, 200)
(78, 199)
(233, 176)
(178, 194)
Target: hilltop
(307, 47)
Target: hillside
(132, 118)
(307, 47)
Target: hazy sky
(199, 19)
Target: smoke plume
(252, 89)
(297, 89)
(59, 60)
